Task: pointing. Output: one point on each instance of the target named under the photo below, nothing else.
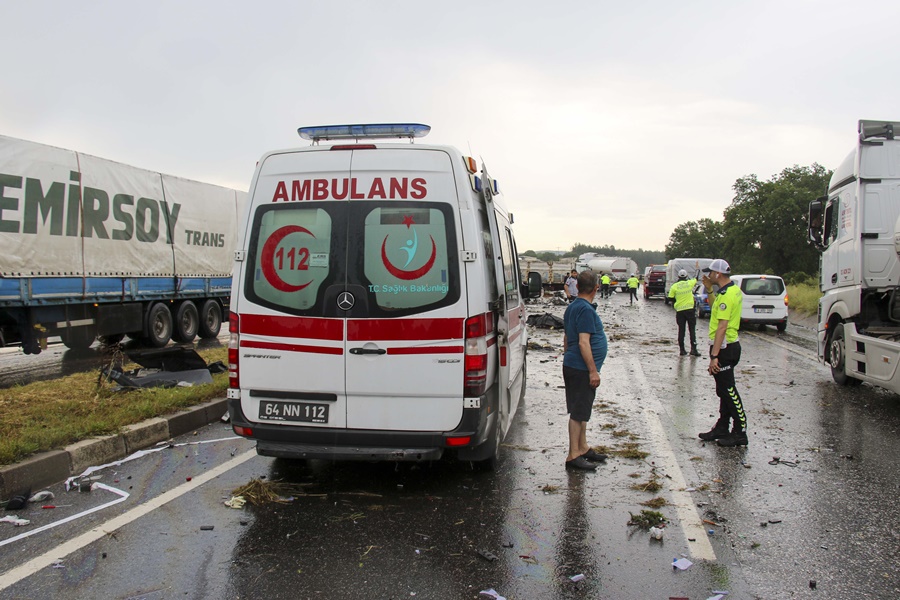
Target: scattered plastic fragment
(656, 533)
(508, 545)
(578, 577)
(58, 565)
(42, 496)
(207, 527)
(812, 584)
(681, 563)
(774, 521)
(236, 502)
(710, 531)
(55, 505)
(15, 520)
(487, 555)
(492, 593)
(529, 559)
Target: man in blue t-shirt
(585, 344)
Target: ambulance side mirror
(532, 287)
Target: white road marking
(52, 556)
(664, 456)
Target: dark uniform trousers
(686, 317)
(730, 406)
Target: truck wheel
(210, 319)
(837, 358)
(78, 338)
(781, 326)
(159, 326)
(187, 322)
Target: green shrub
(804, 297)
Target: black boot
(683, 352)
(694, 351)
(719, 430)
(735, 438)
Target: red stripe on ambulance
(404, 329)
(293, 347)
(295, 327)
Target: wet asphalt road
(824, 512)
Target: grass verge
(804, 298)
(48, 415)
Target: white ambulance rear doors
(355, 313)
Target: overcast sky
(604, 122)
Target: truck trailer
(856, 228)
(619, 268)
(93, 247)
(693, 266)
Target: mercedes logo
(345, 301)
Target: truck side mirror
(532, 288)
(816, 210)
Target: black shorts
(579, 393)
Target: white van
(377, 308)
(765, 300)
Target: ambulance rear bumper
(300, 442)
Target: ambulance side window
(510, 279)
(488, 249)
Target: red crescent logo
(408, 275)
(267, 259)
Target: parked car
(765, 300)
(701, 302)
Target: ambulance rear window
(405, 257)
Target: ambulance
(378, 311)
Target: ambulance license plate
(762, 310)
(293, 411)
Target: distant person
(572, 285)
(633, 284)
(604, 285)
(682, 291)
(585, 350)
(724, 354)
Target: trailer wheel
(159, 326)
(78, 338)
(210, 319)
(187, 322)
(837, 358)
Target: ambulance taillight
(476, 361)
(234, 381)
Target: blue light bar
(356, 132)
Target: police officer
(724, 354)
(633, 284)
(604, 285)
(683, 293)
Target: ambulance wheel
(187, 322)
(837, 358)
(492, 462)
(210, 319)
(159, 326)
(78, 338)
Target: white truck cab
(855, 227)
(378, 311)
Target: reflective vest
(605, 280)
(633, 283)
(683, 292)
(726, 305)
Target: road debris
(258, 492)
(578, 577)
(15, 520)
(681, 563)
(647, 519)
(42, 496)
(236, 502)
(492, 593)
(777, 461)
(488, 556)
(656, 533)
